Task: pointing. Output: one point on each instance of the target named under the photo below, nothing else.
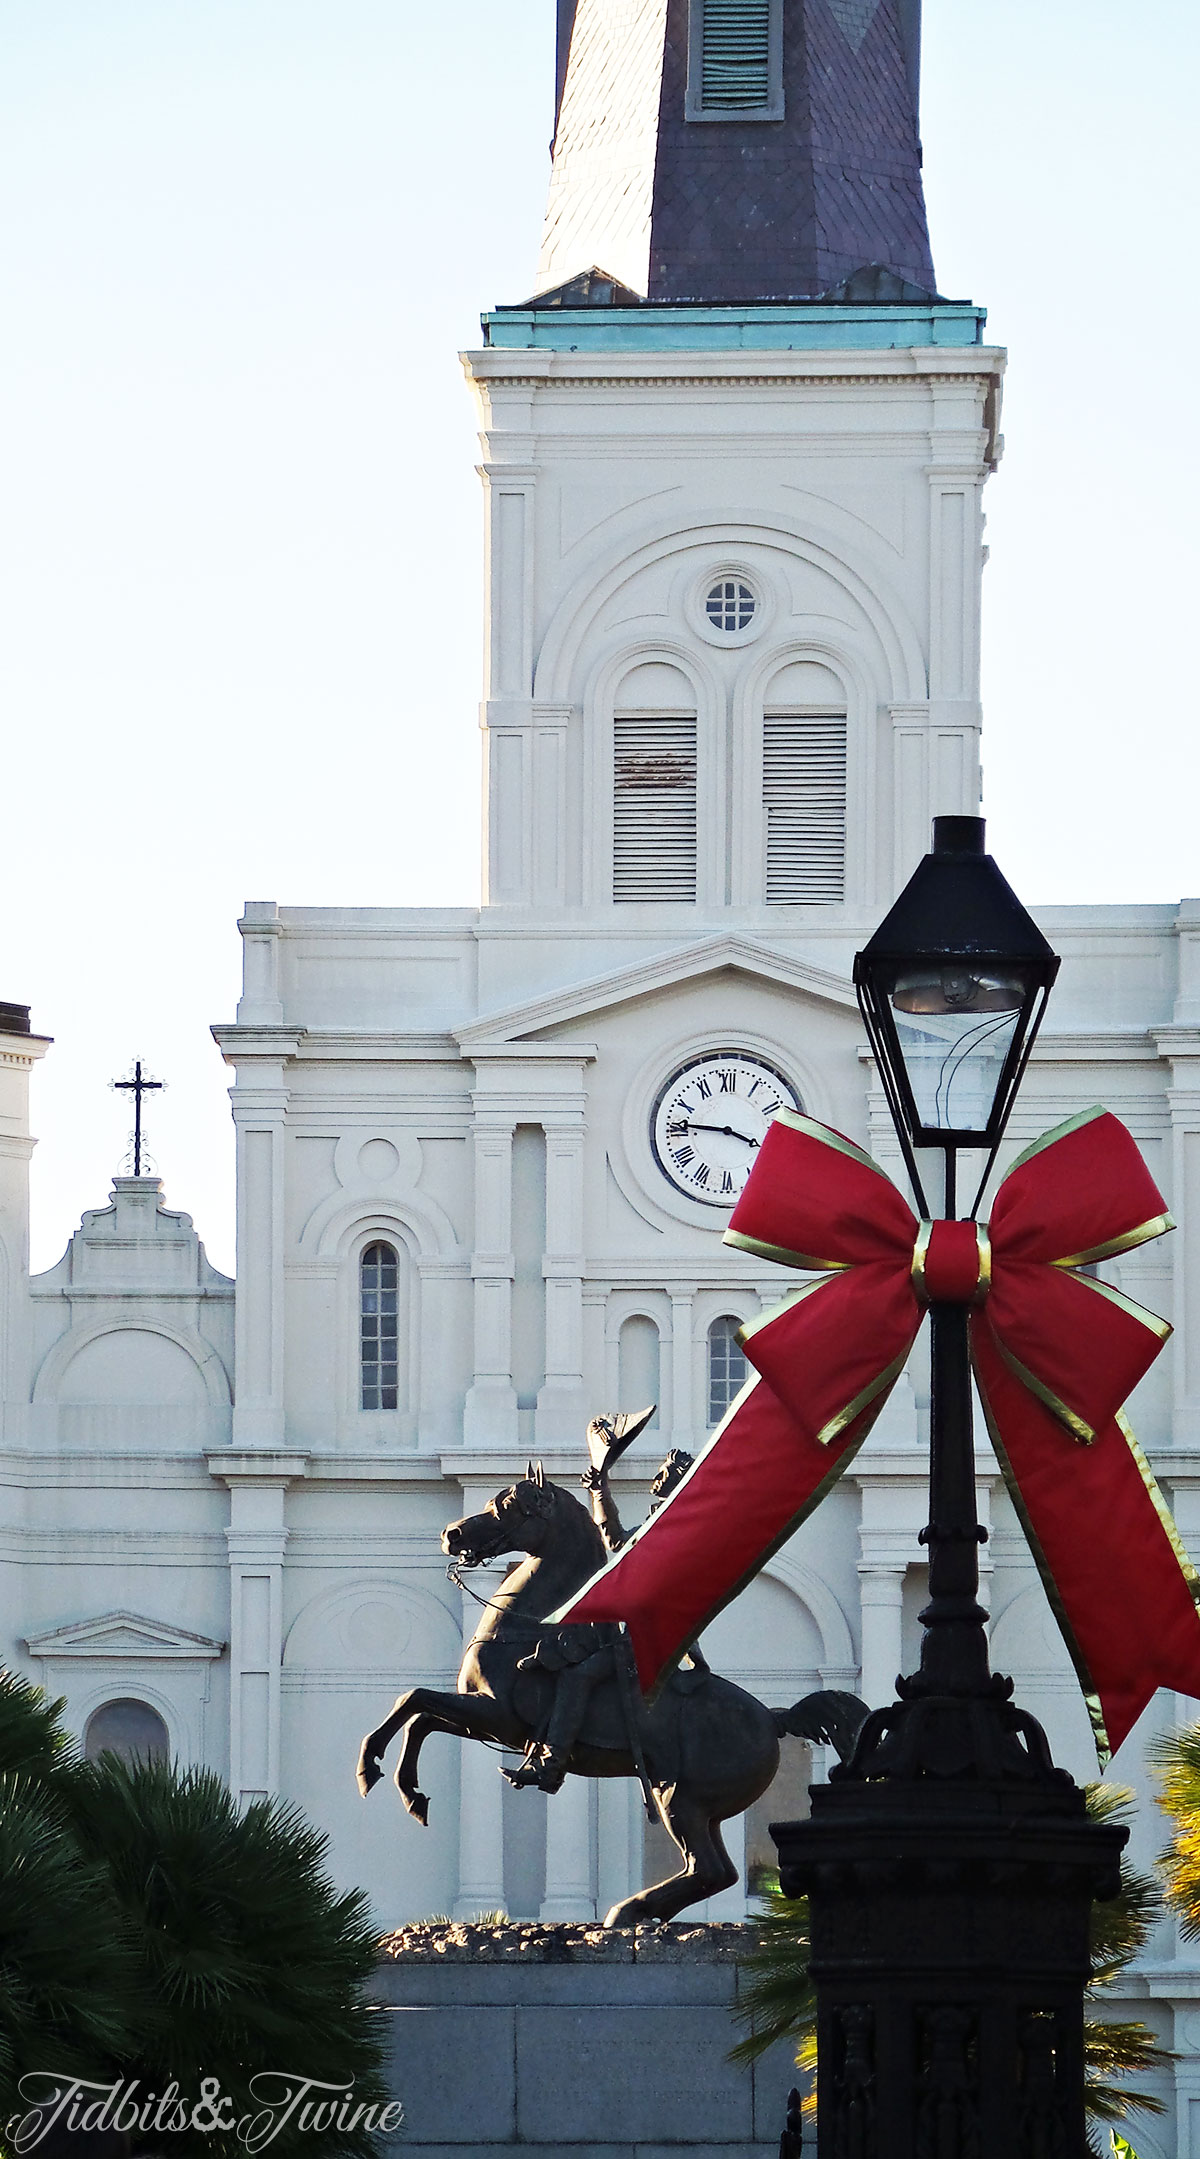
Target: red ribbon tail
(1119, 1581)
(756, 1481)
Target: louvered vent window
(654, 808)
(804, 797)
(736, 55)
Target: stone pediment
(647, 978)
(122, 1634)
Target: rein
(489, 1604)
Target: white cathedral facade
(734, 576)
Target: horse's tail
(831, 1717)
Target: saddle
(558, 1649)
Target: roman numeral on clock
(683, 1155)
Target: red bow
(1055, 1354)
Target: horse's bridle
(538, 1508)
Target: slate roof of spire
(737, 211)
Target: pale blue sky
(241, 242)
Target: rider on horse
(580, 1656)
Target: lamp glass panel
(955, 1030)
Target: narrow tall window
(804, 804)
(654, 807)
(735, 60)
(639, 1364)
(379, 1305)
(727, 1367)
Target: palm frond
(1176, 1756)
(251, 1960)
(776, 1996)
(68, 1985)
(1120, 2050)
(33, 1739)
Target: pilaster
(541, 1084)
(511, 754)
(685, 1423)
(260, 1101)
(256, 1539)
(569, 1853)
(19, 1052)
(936, 768)
(561, 1410)
(490, 1418)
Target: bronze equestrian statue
(705, 1749)
(581, 1656)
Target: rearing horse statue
(706, 1748)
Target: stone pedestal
(570, 2040)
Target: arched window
(379, 1327)
(128, 1728)
(727, 1367)
(639, 1360)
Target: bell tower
(734, 450)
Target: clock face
(709, 1122)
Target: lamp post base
(949, 1928)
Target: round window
(730, 606)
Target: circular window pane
(730, 606)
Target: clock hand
(726, 1130)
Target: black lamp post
(949, 1866)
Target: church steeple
(737, 150)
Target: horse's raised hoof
(368, 1773)
(417, 1804)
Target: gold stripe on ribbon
(1057, 1132)
(1159, 1504)
(920, 1253)
(983, 1249)
(1156, 1227)
(1082, 1670)
(750, 1327)
(879, 1387)
(823, 1133)
(1077, 1426)
(782, 1255)
(1160, 1328)
(882, 1383)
